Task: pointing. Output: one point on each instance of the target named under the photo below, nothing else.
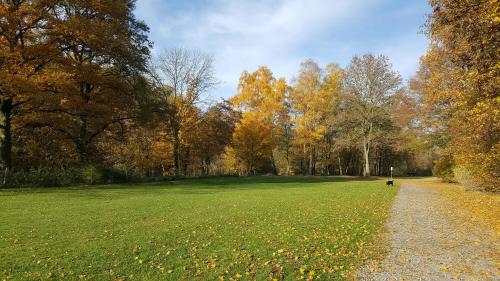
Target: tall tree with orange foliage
(463, 58)
(76, 65)
(213, 134)
(313, 101)
(103, 49)
(252, 141)
(26, 48)
(261, 93)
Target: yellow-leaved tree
(461, 79)
(313, 101)
(252, 142)
(266, 97)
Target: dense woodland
(83, 100)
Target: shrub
(65, 176)
(114, 175)
(443, 168)
(464, 177)
(91, 174)
(43, 177)
(95, 174)
(125, 171)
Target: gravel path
(429, 239)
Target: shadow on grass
(203, 185)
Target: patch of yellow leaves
(481, 207)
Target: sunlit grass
(239, 228)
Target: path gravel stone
(425, 242)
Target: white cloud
(246, 34)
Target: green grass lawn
(281, 228)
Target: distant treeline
(83, 101)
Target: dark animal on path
(391, 183)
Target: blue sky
(244, 34)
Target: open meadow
(281, 228)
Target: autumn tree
(331, 92)
(26, 48)
(313, 101)
(436, 84)
(410, 141)
(143, 150)
(464, 43)
(369, 82)
(252, 141)
(183, 76)
(261, 93)
(308, 128)
(467, 31)
(213, 134)
(99, 49)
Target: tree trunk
(185, 163)
(310, 163)
(83, 151)
(273, 164)
(366, 150)
(177, 147)
(380, 165)
(303, 160)
(340, 167)
(204, 166)
(82, 143)
(287, 160)
(6, 107)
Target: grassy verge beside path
(241, 228)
